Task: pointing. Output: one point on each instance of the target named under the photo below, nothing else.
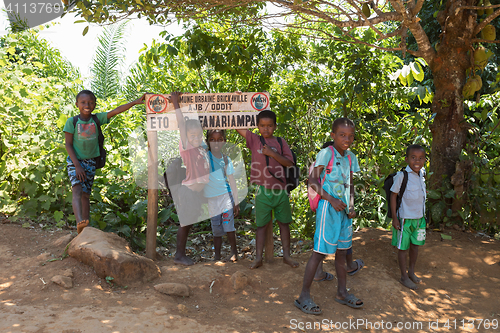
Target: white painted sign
(214, 111)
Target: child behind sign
(271, 194)
(194, 155)
(222, 194)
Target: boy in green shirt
(82, 147)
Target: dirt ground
(461, 279)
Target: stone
(182, 308)
(240, 280)
(173, 289)
(63, 241)
(43, 257)
(63, 281)
(68, 273)
(110, 255)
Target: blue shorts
(88, 166)
(333, 229)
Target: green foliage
(107, 62)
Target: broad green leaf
(417, 71)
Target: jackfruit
(488, 11)
(468, 90)
(489, 32)
(438, 44)
(480, 12)
(481, 56)
(366, 10)
(478, 82)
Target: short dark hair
(342, 122)
(414, 147)
(212, 131)
(86, 92)
(192, 124)
(266, 114)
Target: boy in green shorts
(409, 224)
(271, 194)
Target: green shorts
(266, 201)
(412, 231)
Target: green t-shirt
(85, 140)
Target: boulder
(63, 281)
(63, 241)
(174, 289)
(110, 255)
(240, 280)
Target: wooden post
(269, 245)
(152, 195)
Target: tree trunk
(449, 68)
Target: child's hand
(352, 214)
(236, 209)
(268, 151)
(395, 223)
(337, 204)
(80, 173)
(174, 97)
(140, 100)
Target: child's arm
(395, 220)
(242, 132)
(174, 99)
(234, 191)
(352, 213)
(280, 158)
(125, 107)
(337, 204)
(80, 173)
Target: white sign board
(214, 111)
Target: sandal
(350, 301)
(360, 264)
(328, 277)
(308, 306)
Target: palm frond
(108, 61)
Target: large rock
(174, 289)
(110, 255)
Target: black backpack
(100, 160)
(292, 173)
(174, 175)
(388, 182)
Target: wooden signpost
(214, 111)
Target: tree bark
(449, 68)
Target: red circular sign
(157, 103)
(259, 101)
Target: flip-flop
(360, 264)
(307, 307)
(328, 277)
(350, 301)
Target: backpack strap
(224, 170)
(329, 166)
(403, 183)
(263, 141)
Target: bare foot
(234, 257)
(414, 278)
(256, 263)
(291, 262)
(183, 260)
(81, 225)
(408, 283)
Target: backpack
(176, 173)
(388, 182)
(100, 160)
(314, 197)
(291, 173)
